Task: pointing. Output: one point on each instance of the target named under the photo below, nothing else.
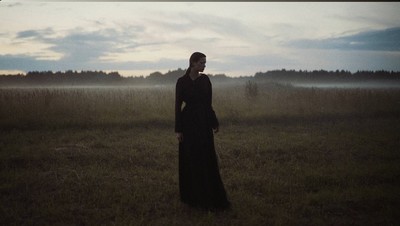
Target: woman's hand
(216, 129)
(179, 136)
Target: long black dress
(200, 184)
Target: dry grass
(107, 106)
(290, 156)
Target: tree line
(114, 78)
(327, 76)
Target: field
(288, 156)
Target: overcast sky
(137, 38)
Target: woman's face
(199, 65)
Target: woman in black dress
(200, 184)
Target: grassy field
(289, 156)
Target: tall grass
(63, 107)
(289, 156)
(83, 107)
(275, 101)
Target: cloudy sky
(239, 38)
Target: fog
(351, 85)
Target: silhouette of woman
(200, 183)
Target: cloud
(30, 63)
(79, 49)
(36, 34)
(379, 40)
(12, 5)
(28, 34)
(258, 62)
(80, 45)
(24, 63)
(83, 47)
(40, 34)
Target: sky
(239, 38)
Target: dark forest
(71, 77)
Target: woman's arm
(178, 107)
(212, 116)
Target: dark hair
(195, 57)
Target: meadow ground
(288, 156)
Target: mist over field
(316, 78)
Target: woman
(200, 184)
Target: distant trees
(62, 78)
(169, 77)
(71, 77)
(82, 77)
(326, 76)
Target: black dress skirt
(200, 183)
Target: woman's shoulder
(186, 78)
(183, 77)
(205, 76)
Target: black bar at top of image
(305, 1)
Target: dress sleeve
(178, 107)
(212, 116)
